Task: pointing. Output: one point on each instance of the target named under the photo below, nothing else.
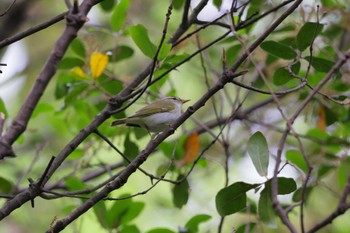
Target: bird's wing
(155, 107)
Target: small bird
(155, 117)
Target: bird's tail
(118, 122)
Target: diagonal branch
(74, 22)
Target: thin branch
(18, 126)
(342, 207)
(282, 141)
(8, 8)
(32, 30)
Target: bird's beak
(184, 101)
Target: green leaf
(70, 62)
(160, 230)
(78, 47)
(297, 159)
(343, 173)
(130, 229)
(74, 91)
(246, 228)
(74, 183)
(41, 108)
(134, 210)
(265, 210)
(281, 76)
(192, 225)
(139, 34)
(112, 86)
(217, 3)
(232, 53)
(165, 49)
(320, 64)
(101, 213)
(107, 5)
(118, 210)
(3, 108)
(174, 59)
(297, 196)
(76, 154)
(5, 186)
(307, 33)
(259, 152)
(278, 49)
(285, 185)
(180, 193)
(233, 198)
(118, 17)
(178, 4)
(120, 53)
(131, 148)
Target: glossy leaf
(278, 49)
(180, 193)
(192, 225)
(233, 198)
(119, 14)
(98, 63)
(191, 147)
(259, 152)
(139, 34)
(307, 33)
(320, 64)
(297, 159)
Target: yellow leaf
(98, 63)
(79, 73)
(191, 147)
(321, 121)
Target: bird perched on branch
(156, 116)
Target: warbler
(156, 116)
